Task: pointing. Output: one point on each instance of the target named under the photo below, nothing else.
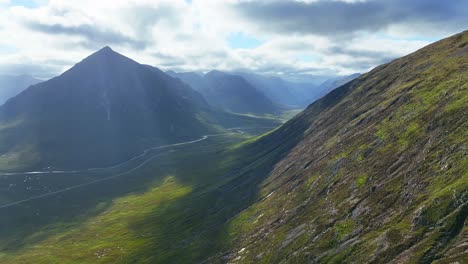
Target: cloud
(342, 18)
(39, 71)
(294, 39)
(94, 36)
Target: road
(144, 162)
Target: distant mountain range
(324, 88)
(103, 110)
(12, 85)
(229, 92)
(280, 91)
(336, 82)
(254, 93)
(375, 171)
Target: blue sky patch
(240, 40)
(26, 3)
(307, 57)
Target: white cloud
(176, 34)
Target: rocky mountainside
(333, 83)
(12, 85)
(229, 92)
(374, 172)
(103, 110)
(307, 97)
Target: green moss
(251, 140)
(361, 180)
(359, 157)
(410, 134)
(381, 133)
(344, 228)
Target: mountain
(276, 89)
(308, 96)
(12, 85)
(294, 94)
(282, 93)
(104, 109)
(376, 171)
(229, 92)
(336, 82)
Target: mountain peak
(106, 48)
(215, 73)
(105, 51)
(104, 58)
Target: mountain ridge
(12, 85)
(105, 108)
(376, 172)
(229, 92)
(373, 172)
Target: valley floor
(150, 209)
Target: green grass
(170, 206)
(324, 187)
(361, 180)
(109, 236)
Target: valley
(234, 132)
(74, 196)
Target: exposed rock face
(378, 171)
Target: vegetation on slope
(380, 175)
(376, 171)
(173, 210)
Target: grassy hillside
(374, 172)
(176, 205)
(380, 173)
(103, 111)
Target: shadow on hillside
(193, 228)
(202, 217)
(202, 212)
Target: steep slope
(229, 92)
(103, 110)
(334, 83)
(374, 172)
(378, 172)
(12, 85)
(324, 88)
(294, 94)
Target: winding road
(144, 162)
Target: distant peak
(106, 52)
(106, 48)
(215, 73)
(104, 57)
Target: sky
(293, 39)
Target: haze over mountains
(234, 132)
(229, 92)
(108, 107)
(376, 171)
(249, 92)
(103, 110)
(12, 85)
